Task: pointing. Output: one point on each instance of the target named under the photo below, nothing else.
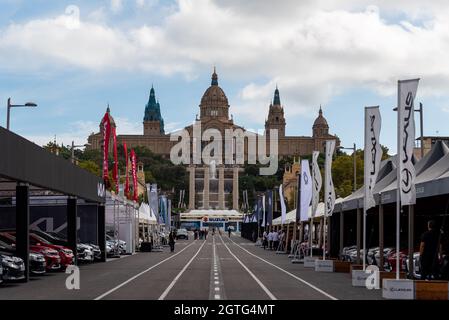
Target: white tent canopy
(145, 214)
(291, 215)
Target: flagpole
(398, 178)
(311, 211)
(326, 191)
(324, 236)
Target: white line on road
(268, 292)
(290, 274)
(139, 274)
(170, 286)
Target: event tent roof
(432, 178)
(291, 215)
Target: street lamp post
(355, 167)
(9, 106)
(72, 158)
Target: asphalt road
(218, 268)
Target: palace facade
(216, 186)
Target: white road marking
(268, 292)
(170, 286)
(217, 296)
(290, 274)
(139, 274)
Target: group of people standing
(200, 234)
(271, 239)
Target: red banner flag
(106, 127)
(134, 173)
(115, 168)
(126, 170)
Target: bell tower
(276, 119)
(153, 123)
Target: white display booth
(121, 220)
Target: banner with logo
(317, 182)
(106, 130)
(263, 212)
(298, 197)
(169, 213)
(153, 199)
(125, 149)
(269, 207)
(372, 153)
(329, 191)
(406, 139)
(134, 174)
(163, 210)
(283, 208)
(115, 167)
(306, 190)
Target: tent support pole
(411, 237)
(381, 237)
(342, 230)
(359, 234)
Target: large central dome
(214, 102)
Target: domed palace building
(215, 186)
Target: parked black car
(37, 260)
(13, 267)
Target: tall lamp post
(9, 106)
(355, 167)
(421, 124)
(72, 157)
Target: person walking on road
(429, 250)
(229, 232)
(265, 239)
(270, 239)
(171, 241)
(275, 240)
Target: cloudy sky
(75, 57)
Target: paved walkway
(217, 268)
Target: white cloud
(116, 6)
(313, 49)
(140, 3)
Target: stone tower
(276, 119)
(153, 123)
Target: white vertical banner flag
(406, 139)
(283, 208)
(306, 190)
(317, 182)
(372, 153)
(263, 211)
(329, 191)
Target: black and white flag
(406, 139)
(329, 191)
(317, 182)
(306, 190)
(283, 208)
(372, 153)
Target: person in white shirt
(265, 239)
(270, 240)
(275, 240)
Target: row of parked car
(48, 252)
(390, 255)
